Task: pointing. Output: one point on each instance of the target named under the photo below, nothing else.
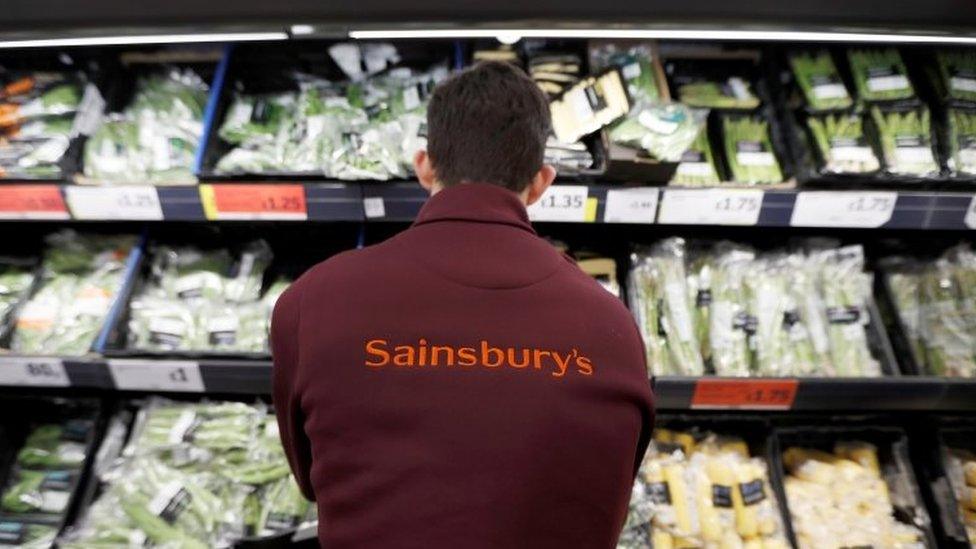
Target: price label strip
(374, 207)
(33, 372)
(284, 202)
(156, 375)
(970, 219)
(564, 203)
(631, 206)
(710, 207)
(864, 210)
(136, 203)
(32, 202)
(748, 394)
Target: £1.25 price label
(32, 202)
(638, 205)
(136, 203)
(33, 371)
(753, 394)
(182, 376)
(849, 209)
(285, 202)
(711, 207)
(568, 203)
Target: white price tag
(963, 84)
(888, 83)
(711, 207)
(970, 219)
(561, 203)
(156, 375)
(843, 209)
(33, 371)
(830, 91)
(374, 207)
(136, 203)
(631, 206)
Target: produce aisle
(788, 221)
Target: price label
(566, 203)
(138, 203)
(754, 394)
(254, 202)
(631, 206)
(33, 371)
(711, 207)
(374, 207)
(156, 375)
(970, 219)
(32, 202)
(843, 209)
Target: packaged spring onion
(82, 275)
(697, 163)
(734, 93)
(880, 74)
(749, 151)
(194, 476)
(842, 145)
(841, 499)
(957, 69)
(699, 489)
(962, 141)
(906, 141)
(961, 470)
(155, 139)
(817, 77)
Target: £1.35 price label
(33, 371)
(568, 203)
(285, 202)
(711, 206)
(32, 202)
(755, 394)
(854, 209)
(137, 203)
(638, 205)
(181, 376)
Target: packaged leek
(749, 151)
(846, 290)
(732, 322)
(906, 141)
(819, 80)
(697, 163)
(957, 69)
(841, 144)
(645, 291)
(946, 323)
(962, 141)
(879, 74)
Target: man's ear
(425, 171)
(540, 183)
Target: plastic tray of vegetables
(819, 80)
(880, 74)
(905, 136)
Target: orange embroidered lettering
(448, 352)
(467, 356)
(562, 365)
(376, 347)
(487, 353)
(584, 366)
(526, 358)
(404, 355)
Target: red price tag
(759, 394)
(32, 202)
(284, 202)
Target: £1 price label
(711, 207)
(285, 202)
(32, 202)
(566, 203)
(33, 371)
(637, 205)
(181, 376)
(137, 203)
(755, 394)
(853, 209)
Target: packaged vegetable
(697, 163)
(663, 130)
(906, 141)
(957, 69)
(817, 77)
(733, 93)
(26, 535)
(637, 65)
(842, 145)
(879, 74)
(962, 141)
(749, 150)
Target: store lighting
(142, 39)
(298, 30)
(673, 34)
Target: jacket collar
(478, 202)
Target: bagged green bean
(697, 165)
(749, 151)
(879, 74)
(819, 80)
(906, 141)
(842, 145)
(962, 141)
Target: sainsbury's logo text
(382, 353)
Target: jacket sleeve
(285, 388)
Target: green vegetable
(284, 509)
(734, 93)
(906, 141)
(697, 167)
(34, 492)
(880, 74)
(957, 69)
(15, 280)
(55, 445)
(749, 150)
(665, 131)
(34, 536)
(846, 290)
(962, 141)
(841, 144)
(731, 320)
(819, 80)
(636, 66)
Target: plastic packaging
(962, 142)
(879, 74)
(842, 144)
(818, 79)
(906, 141)
(664, 130)
(697, 167)
(749, 150)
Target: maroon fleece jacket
(462, 384)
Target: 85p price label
(33, 372)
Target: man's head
(487, 124)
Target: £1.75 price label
(33, 371)
(568, 203)
(754, 394)
(285, 202)
(853, 209)
(137, 203)
(181, 376)
(711, 206)
(32, 202)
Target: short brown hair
(488, 124)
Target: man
(463, 385)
